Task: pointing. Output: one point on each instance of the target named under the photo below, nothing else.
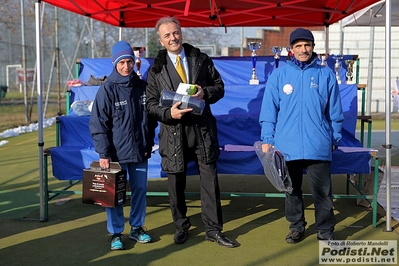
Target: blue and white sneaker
(116, 242)
(139, 235)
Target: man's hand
(176, 113)
(266, 148)
(200, 92)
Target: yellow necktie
(180, 69)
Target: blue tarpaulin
(237, 120)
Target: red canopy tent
(215, 13)
(195, 13)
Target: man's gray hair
(165, 20)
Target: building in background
(355, 41)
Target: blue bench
(238, 127)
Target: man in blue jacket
(122, 132)
(302, 116)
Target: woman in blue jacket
(121, 132)
(302, 116)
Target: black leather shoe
(221, 239)
(329, 237)
(181, 236)
(294, 236)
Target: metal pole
(370, 72)
(242, 41)
(39, 109)
(57, 60)
(341, 43)
(147, 47)
(327, 39)
(388, 144)
(10, 52)
(27, 118)
(91, 35)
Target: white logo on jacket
(288, 89)
(312, 84)
(117, 104)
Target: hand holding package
(169, 98)
(274, 167)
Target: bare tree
(78, 37)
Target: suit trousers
(211, 210)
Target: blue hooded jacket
(119, 122)
(301, 112)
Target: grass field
(13, 111)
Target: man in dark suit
(185, 136)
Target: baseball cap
(301, 34)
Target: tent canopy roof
(215, 13)
(374, 15)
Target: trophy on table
(323, 58)
(277, 52)
(349, 73)
(138, 53)
(337, 67)
(254, 46)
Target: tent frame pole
(388, 98)
(39, 109)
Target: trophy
(288, 51)
(349, 73)
(322, 58)
(277, 52)
(253, 46)
(138, 53)
(337, 67)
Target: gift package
(169, 98)
(104, 187)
